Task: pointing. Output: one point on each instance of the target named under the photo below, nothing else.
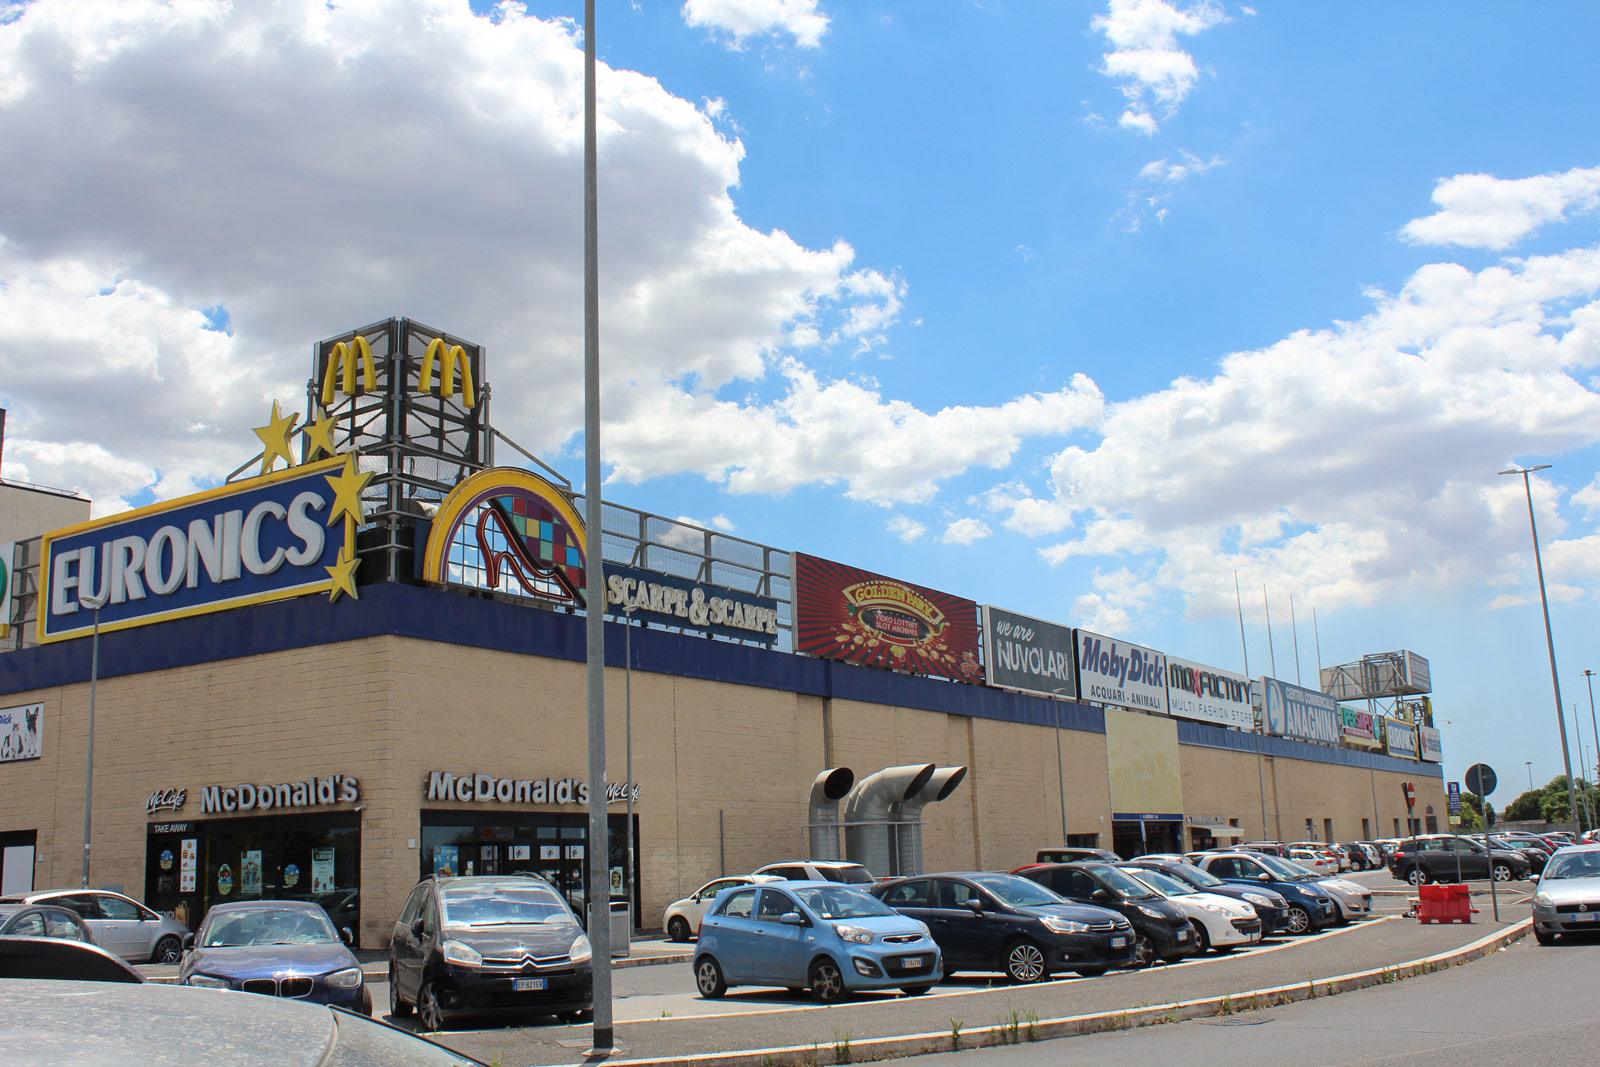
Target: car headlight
(207, 981)
(1151, 912)
(1063, 926)
(461, 953)
(1543, 900)
(1258, 900)
(856, 934)
(581, 949)
(350, 977)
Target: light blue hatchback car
(821, 936)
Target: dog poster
(21, 730)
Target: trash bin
(1444, 904)
(621, 926)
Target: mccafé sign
(310, 793)
(247, 542)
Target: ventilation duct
(826, 792)
(866, 813)
(907, 816)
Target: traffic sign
(1411, 795)
(1454, 790)
(1481, 779)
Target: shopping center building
(327, 678)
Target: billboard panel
(1399, 738)
(21, 732)
(843, 612)
(1208, 694)
(1432, 747)
(690, 605)
(1294, 711)
(1020, 652)
(1115, 672)
(1358, 727)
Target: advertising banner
(21, 732)
(1432, 748)
(1209, 694)
(1304, 714)
(1115, 672)
(1024, 653)
(247, 542)
(843, 612)
(1358, 727)
(1399, 737)
(690, 605)
(8, 552)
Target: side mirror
(1101, 896)
(793, 918)
(975, 906)
(1263, 877)
(188, 942)
(349, 938)
(416, 927)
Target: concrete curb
(1024, 1029)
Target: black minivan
(489, 944)
(1161, 928)
(987, 921)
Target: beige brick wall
(390, 710)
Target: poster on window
(549, 852)
(322, 870)
(445, 860)
(520, 852)
(188, 856)
(250, 874)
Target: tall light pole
(627, 655)
(96, 603)
(1529, 764)
(594, 585)
(1577, 733)
(1588, 677)
(1061, 771)
(1549, 640)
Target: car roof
(266, 905)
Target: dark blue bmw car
(282, 948)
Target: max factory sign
(690, 605)
(842, 612)
(1209, 694)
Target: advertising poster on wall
(21, 732)
(1399, 738)
(250, 874)
(1114, 672)
(847, 613)
(1304, 714)
(690, 605)
(446, 860)
(1209, 694)
(1025, 653)
(188, 861)
(1358, 727)
(1432, 747)
(322, 870)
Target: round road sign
(1481, 779)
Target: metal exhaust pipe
(830, 787)
(908, 814)
(866, 813)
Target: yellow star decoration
(347, 487)
(275, 438)
(319, 436)
(343, 573)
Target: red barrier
(1444, 904)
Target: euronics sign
(248, 542)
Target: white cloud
(1171, 173)
(1340, 464)
(739, 20)
(906, 528)
(1482, 211)
(1117, 604)
(966, 531)
(1156, 74)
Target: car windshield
(1188, 872)
(1125, 884)
(1577, 865)
(852, 875)
(268, 926)
(1288, 871)
(1018, 892)
(1163, 883)
(837, 902)
(502, 905)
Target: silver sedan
(1567, 900)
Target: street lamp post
(627, 655)
(1529, 764)
(1061, 772)
(96, 603)
(1577, 732)
(1549, 639)
(1588, 677)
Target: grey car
(120, 925)
(1567, 900)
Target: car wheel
(1144, 952)
(1502, 873)
(364, 1005)
(1417, 876)
(708, 977)
(574, 1018)
(398, 1007)
(678, 929)
(430, 1013)
(168, 950)
(827, 981)
(1299, 920)
(915, 990)
(1542, 937)
(1025, 962)
(1091, 972)
(1202, 939)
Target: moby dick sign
(850, 614)
(1115, 672)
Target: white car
(820, 871)
(1219, 922)
(683, 917)
(1353, 899)
(1313, 860)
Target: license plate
(1183, 935)
(1584, 917)
(1119, 942)
(911, 961)
(526, 985)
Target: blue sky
(1077, 309)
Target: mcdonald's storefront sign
(248, 542)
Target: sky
(1085, 310)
